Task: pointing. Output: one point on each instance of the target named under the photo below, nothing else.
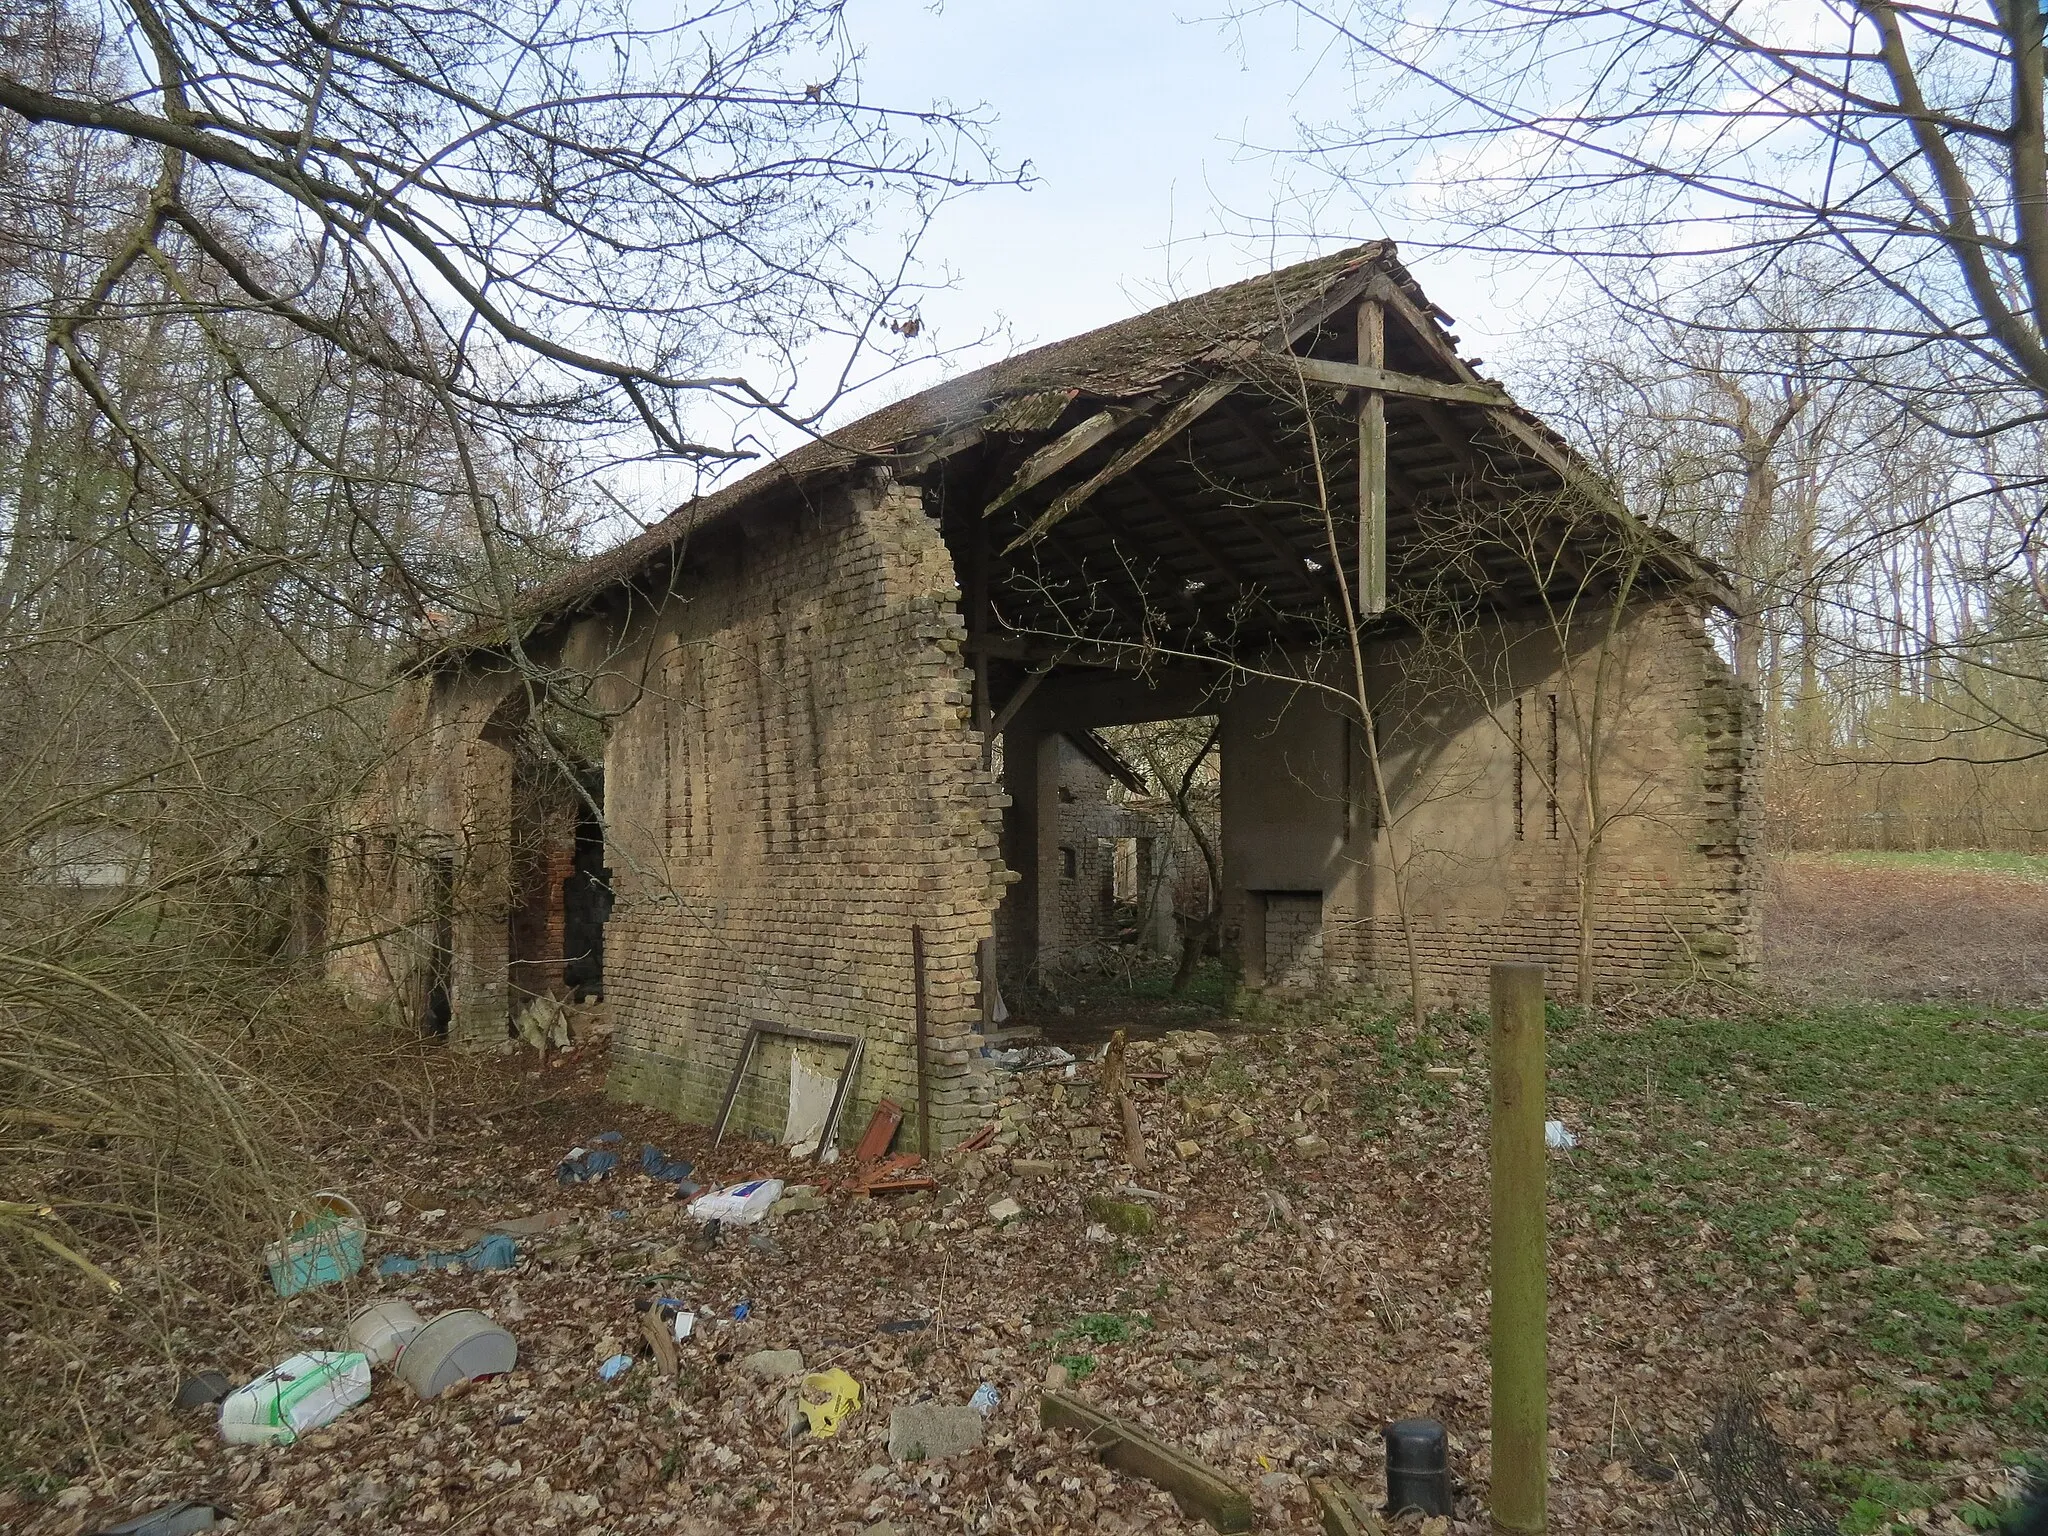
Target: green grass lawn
(1817, 1125)
(1801, 1137)
(2024, 866)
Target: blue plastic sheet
(496, 1251)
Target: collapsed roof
(1190, 469)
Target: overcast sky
(1134, 116)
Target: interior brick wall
(1673, 891)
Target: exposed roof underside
(1166, 478)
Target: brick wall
(1492, 865)
(1294, 939)
(790, 783)
(1087, 815)
(421, 859)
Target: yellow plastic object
(842, 1396)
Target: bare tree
(318, 329)
(1895, 150)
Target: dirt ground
(1833, 928)
(1316, 1268)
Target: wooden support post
(978, 605)
(1520, 1293)
(1372, 465)
(924, 1087)
(1199, 1490)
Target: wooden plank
(1386, 380)
(874, 1141)
(1177, 420)
(1199, 1490)
(1344, 1512)
(1372, 466)
(1016, 701)
(1056, 456)
(1558, 459)
(732, 1087)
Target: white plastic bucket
(382, 1329)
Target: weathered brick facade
(794, 786)
(786, 675)
(1488, 853)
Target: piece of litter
(985, 1399)
(739, 1206)
(615, 1367)
(840, 1394)
(1557, 1138)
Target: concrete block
(933, 1431)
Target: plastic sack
(1557, 1138)
(293, 1397)
(739, 1206)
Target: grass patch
(2024, 866)
(1787, 1138)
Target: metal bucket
(382, 1329)
(456, 1346)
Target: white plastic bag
(740, 1206)
(1557, 1138)
(298, 1395)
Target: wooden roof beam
(1056, 456)
(1182, 415)
(1272, 537)
(1225, 568)
(1387, 381)
(1126, 542)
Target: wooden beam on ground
(1199, 1490)
(1344, 1512)
(1056, 456)
(1387, 381)
(1177, 420)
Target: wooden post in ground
(1520, 1291)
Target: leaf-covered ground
(1840, 1206)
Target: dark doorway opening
(439, 1005)
(586, 899)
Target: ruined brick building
(720, 771)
